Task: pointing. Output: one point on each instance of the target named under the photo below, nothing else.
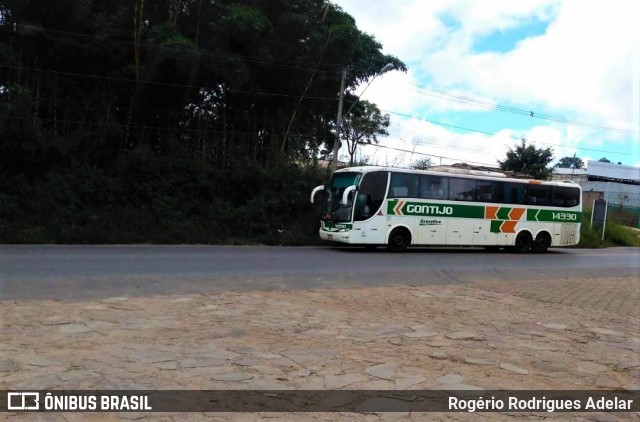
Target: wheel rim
(398, 241)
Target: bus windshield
(332, 209)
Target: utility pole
(336, 141)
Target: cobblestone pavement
(552, 334)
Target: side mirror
(316, 190)
(345, 194)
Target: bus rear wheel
(523, 242)
(542, 243)
(399, 239)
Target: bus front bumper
(336, 236)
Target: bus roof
(457, 171)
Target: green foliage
(570, 163)
(362, 126)
(147, 199)
(131, 121)
(614, 235)
(528, 160)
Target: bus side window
(400, 191)
(462, 189)
(363, 207)
(424, 187)
(436, 192)
(413, 183)
(404, 185)
(538, 195)
(484, 189)
(514, 194)
(431, 187)
(565, 196)
(498, 191)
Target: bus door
(369, 225)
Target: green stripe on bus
(503, 213)
(426, 209)
(555, 216)
(495, 226)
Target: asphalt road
(91, 272)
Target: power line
(438, 93)
(407, 116)
(221, 132)
(430, 155)
(262, 93)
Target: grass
(614, 235)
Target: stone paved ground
(554, 334)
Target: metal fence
(625, 215)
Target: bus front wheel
(523, 242)
(399, 239)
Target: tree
(362, 126)
(145, 114)
(604, 160)
(570, 163)
(527, 159)
(422, 163)
(220, 81)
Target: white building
(618, 184)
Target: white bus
(373, 206)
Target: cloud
(571, 69)
(585, 67)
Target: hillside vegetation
(184, 121)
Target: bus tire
(542, 242)
(399, 239)
(523, 242)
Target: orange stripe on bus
(491, 213)
(508, 227)
(516, 213)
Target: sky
(483, 74)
